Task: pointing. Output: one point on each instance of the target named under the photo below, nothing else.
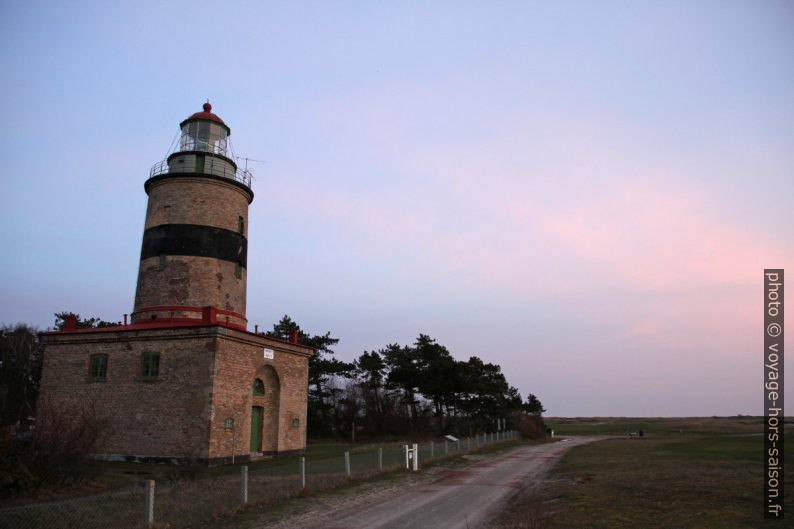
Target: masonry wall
(190, 280)
(205, 376)
(240, 359)
(197, 200)
(165, 417)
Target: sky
(585, 193)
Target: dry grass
(676, 476)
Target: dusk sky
(585, 193)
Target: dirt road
(457, 499)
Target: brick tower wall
(211, 207)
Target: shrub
(64, 438)
(530, 426)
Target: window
(161, 263)
(98, 369)
(238, 270)
(259, 387)
(203, 137)
(240, 225)
(150, 365)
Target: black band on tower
(195, 240)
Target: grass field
(109, 475)
(684, 473)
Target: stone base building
(185, 380)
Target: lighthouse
(183, 379)
(195, 246)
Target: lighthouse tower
(185, 379)
(194, 251)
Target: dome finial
(207, 106)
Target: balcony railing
(224, 170)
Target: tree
(371, 370)
(438, 369)
(321, 368)
(488, 395)
(20, 372)
(87, 323)
(404, 374)
(533, 405)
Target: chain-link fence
(185, 503)
(119, 509)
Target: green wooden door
(256, 429)
(199, 163)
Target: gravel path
(464, 498)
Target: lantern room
(203, 149)
(204, 131)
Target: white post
(416, 457)
(380, 458)
(407, 459)
(149, 503)
(244, 484)
(303, 472)
(347, 463)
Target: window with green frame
(98, 366)
(259, 387)
(150, 364)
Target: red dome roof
(207, 114)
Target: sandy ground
(464, 498)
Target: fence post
(244, 484)
(303, 472)
(380, 458)
(407, 461)
(149, 502)
(347, 463)
(416, 457)
(432, 455)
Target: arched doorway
(265, 395)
